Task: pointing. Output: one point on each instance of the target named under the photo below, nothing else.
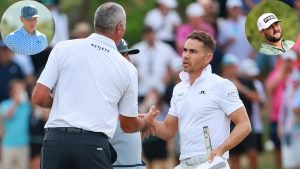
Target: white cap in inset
(266, 20)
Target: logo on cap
(29, 11)
(269, 18)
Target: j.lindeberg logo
(269, 18)
(202, 92)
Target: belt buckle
(190, 161)
(195, 160)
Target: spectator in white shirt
(152, 62)
(164, 20)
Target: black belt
(132, 165)
(74, 130)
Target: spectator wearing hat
(275, 88)
(27, 40)
(211, 8)
(269, 28)
(194, 13)
(61, 22)
(123, 49)
(164, 21)
(248, 95)
(127, 143)
(153, 63)
(249, 69)
(232, 37)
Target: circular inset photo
(27, 27)
(272, 27)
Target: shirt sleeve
(128, 105)
(229, 100)
(50, 73)
(45, 43)
(172, 109)
(9, 42)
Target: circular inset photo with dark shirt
(27, 27)
(272, 27)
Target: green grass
(266, 161)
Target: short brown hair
(208, 42)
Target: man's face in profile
(273, 32)
(29, 24)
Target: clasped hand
(149, 118)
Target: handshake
(149, 121)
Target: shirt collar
(184, 76)
(268, 46)
(103, 39)
(24, 32)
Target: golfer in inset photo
(27, 40)
(269, 28)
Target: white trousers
(15, 158)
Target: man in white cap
(27, 40)
(194, 12)
(269, 28)
(231, 37)
(164, 20)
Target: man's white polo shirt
(92, 83)
(208, 102)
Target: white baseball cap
(289, 55)
(230, 59)
(168, 3)
(194, 10)
(233, 3)
(266, 20)
(248, 67)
